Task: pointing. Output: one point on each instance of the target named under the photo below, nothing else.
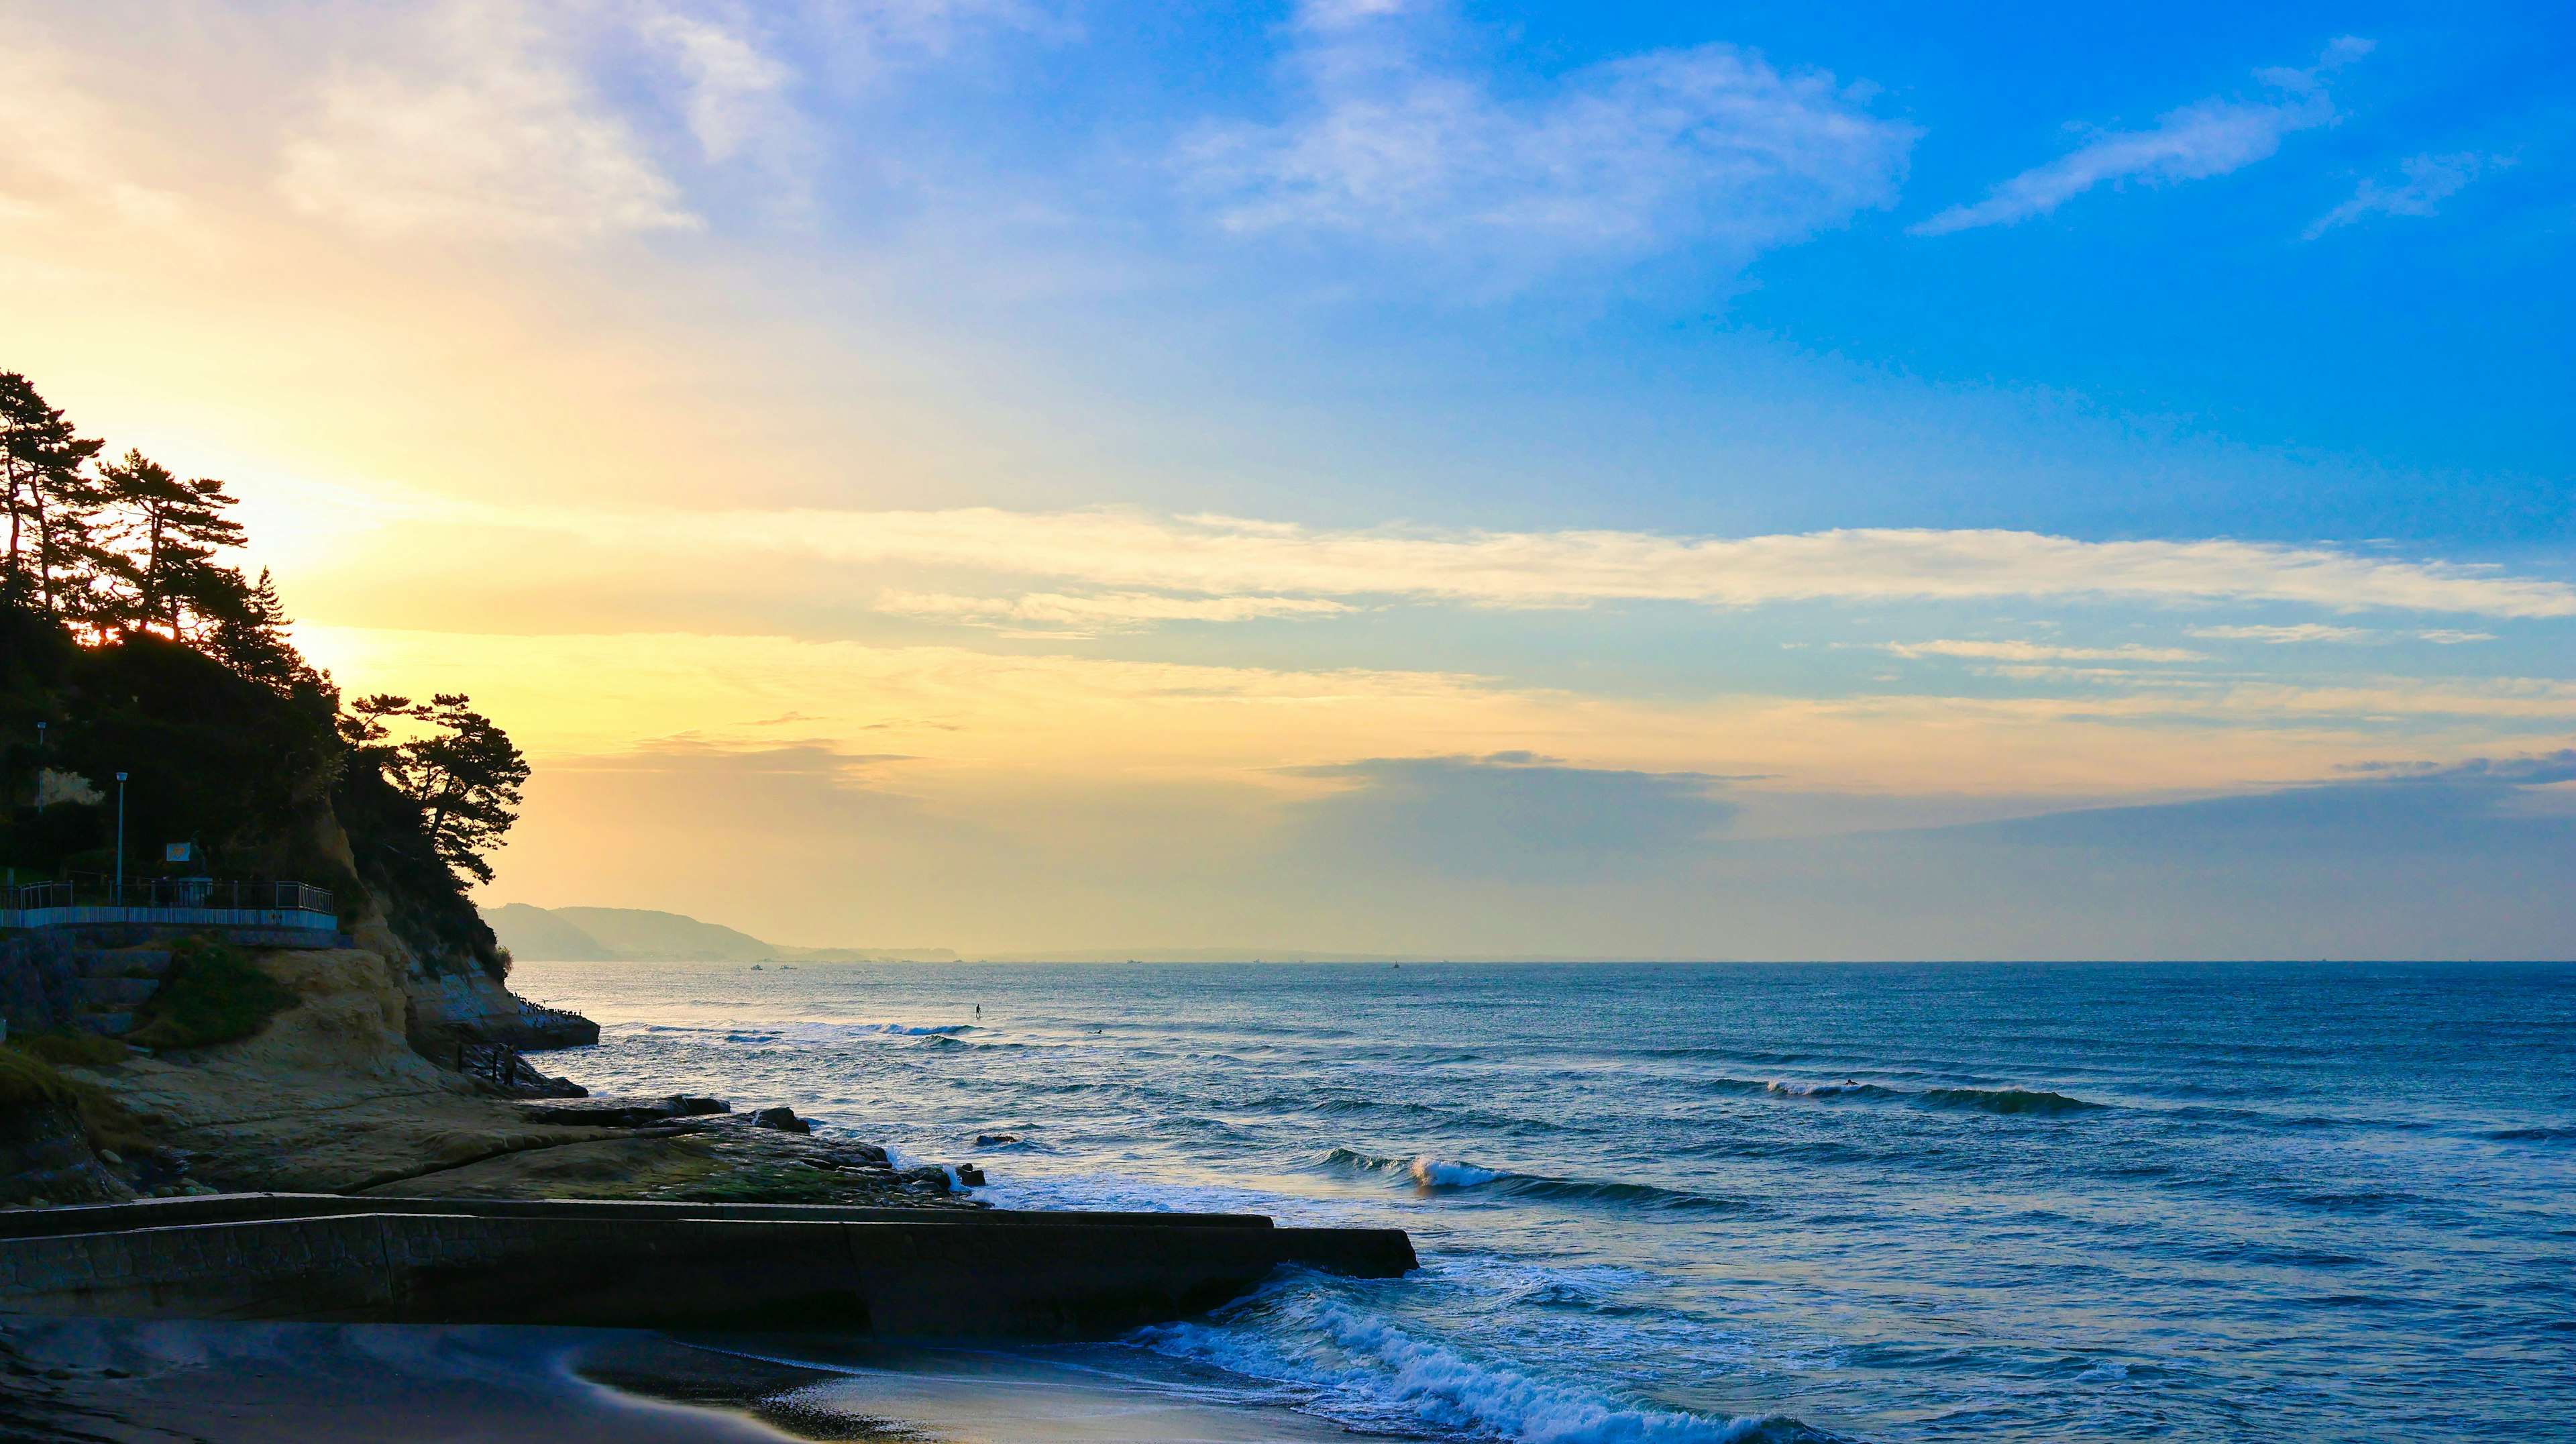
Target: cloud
(1626, 157)
(486, 131)
(1508, 814)
(2540, 769)
(1055, 614)
(1228, 556)
(2040, 652)
(2206, 138)
(2283, 635)
(2392, 807)
(2429, 180)
(2286, 635)
(1117, 550)
(65, 147)
(734, 95)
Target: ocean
(1748, 1202)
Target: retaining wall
(887, 1272)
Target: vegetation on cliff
(128, 646)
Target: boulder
(782, 1119)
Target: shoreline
(409, 1384)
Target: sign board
(179, 852)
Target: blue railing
(169, 901)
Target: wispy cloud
(1120, 551)
(1056, 614)
(734, 95)
(2039, 652)
(2205, 138)
(1226, 556)
(485, 130)
(65, 150)
(1116, 550)
(2286, 634)
(1625, 157)
(2429, 180)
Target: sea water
(1774, 1202)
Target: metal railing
(172, 892)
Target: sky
(1385, 476)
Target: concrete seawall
(886, 1272)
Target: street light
(120, 839)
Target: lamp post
(120, 839)
(40, 769)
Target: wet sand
(107, 1380)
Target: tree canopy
(463, 771)
(107, 552)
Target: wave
(1832, 1090)
(1983, 1100)
(1373, 1375)
(1440, 1175)
(2532, 1135)
(2009, 1100)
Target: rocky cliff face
(259, 782)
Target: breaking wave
(1373, 1375)
(1440, 1175)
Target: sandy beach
(106, 1380)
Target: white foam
(1372, 1373)
(1433, 1172)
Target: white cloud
(2320, 632)
(2039, 652)
(1055, 614)
(1231, 556)
(484, 132)
(2285, 635)
(2429, 180)
(2206, 138)
(1112, 550)
(735, 95)
(1624, 157)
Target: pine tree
(43, 473)
(466, 775)
(174, 528)
(246, 629)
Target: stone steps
(109, 984)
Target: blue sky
(2163, 352)
(1181, 451)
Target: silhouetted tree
(172, 529)
(465, 774)
(43, 473)
(246, 630)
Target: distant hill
(573, 935)
(536, 933)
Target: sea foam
(1373, 1374)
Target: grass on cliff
(214, 994)
(88, 1050)
(28, 1079)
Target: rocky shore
(375, 1082)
